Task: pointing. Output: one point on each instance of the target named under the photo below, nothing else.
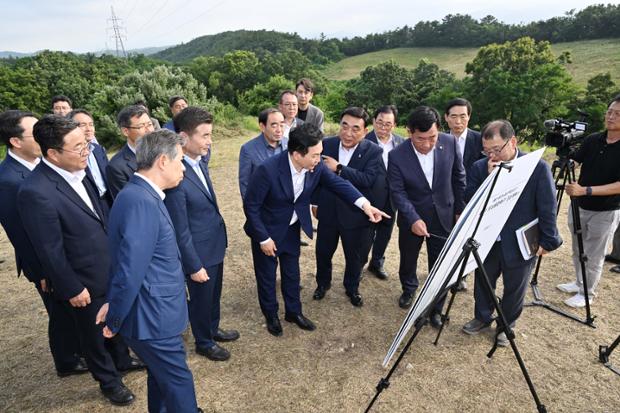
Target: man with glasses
(134, 122)
(288, 105)
(67, 227)
(307, 112)
(383, 135)
(537, 201)
(427, 183)
(23, 155)
(98, 158)
(597, 194)
(358, 161)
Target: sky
(86, 26)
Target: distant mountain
(222, 43)
(7, 54)
(145, 51)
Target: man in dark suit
(201, 234)
(536, 201)
(23, 154)
(276, 206)
(358, 161)
(134, 122)
(383, 135)
(427, 184)
(98, 158)
(146, 301)
(457, 115)
(67, 228)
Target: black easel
(471, 247)
(566, 173)
(603, 355)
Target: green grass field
(589, 58)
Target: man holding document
(537, 202)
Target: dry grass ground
(336, 367)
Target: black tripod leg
(509, 333)
(604, 352)
(582, 258)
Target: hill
(589, 57)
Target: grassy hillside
(589, 58)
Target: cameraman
(597, 194)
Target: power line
(164, 4)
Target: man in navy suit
(427, 183)
(383, 124)
(67, 228)
(536, 201)
(146, 301)
(134, 122)
(276, 206)
(201, 234)
(457, 115)
(358, 161)
(23, 155)
(98, 158)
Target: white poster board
(506, 192)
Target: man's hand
(80, 300)
(491, 164)
(374, 215)
(330, 162)
(44, 285)
(100, 318)
(575, 189)
(200, 276)
(419, 229)
(269, 248)
(541, 251)
(315, 210)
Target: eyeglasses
(386, 125)
(84, 150)
(612, 113)
(494, 151)
(141, 126)
(289, 105)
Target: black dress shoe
(274, 327)
(303, 243)
(405, 300)
(611, 259)
(226, 335)
(379, 271)
(320, 291)
(356, 299)
(301, 321)
(215, 353)
(435, 320)
(135, 364)
(120, 395)
(79, 368)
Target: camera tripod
(563, 171)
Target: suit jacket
(270, 201)
(314, 116)
(102, 163)
(253, 153)
(473, 149)
(363, 171)
(69, 239)
(147, 285)
(536, 201)
(381, 188)
(413, 197)
(120, 169)
(12, 175)
(199, 226)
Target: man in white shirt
(288, 105)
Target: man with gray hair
(146, 300)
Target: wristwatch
(338, 169)
(588, 191)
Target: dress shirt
(427, 163)
(195, 164)
(387, 147)
(157, 189)
(298, 185)
(29, 165)
(344, 154)
(460, 141)
(131, 148)
(74, 179)
(287, 129)
(94, 169)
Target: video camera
(565, 136)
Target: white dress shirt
(29, 165)
(344, 154)
(74, 179)
(298, 185)
(427, 163)
(287, 128)
(195, 164)
(387, 147)
(94, 169)
(157, 189)
(460, 141)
